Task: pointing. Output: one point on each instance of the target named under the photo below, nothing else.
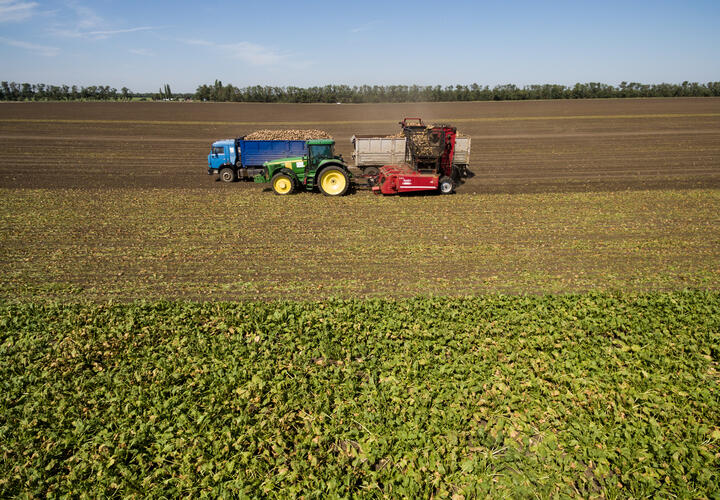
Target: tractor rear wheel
(446, 185)
(282, 183)
(227, 174)
(333, 181)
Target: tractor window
(218, 150)
(321, 151)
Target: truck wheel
(282, 183)
(227, 174)
(371, 171)
(446, 185)
(333, 181)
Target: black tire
(333, 181)
(446, 185)
(293, 177)
(227, 174)
(283, 184)
(371, 171)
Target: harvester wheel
(227, 174)
(333, 181)
(282, 183)
(446, 185)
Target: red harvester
(428, 161)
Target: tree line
(11, 91)
(437, 93)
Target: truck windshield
(322, 151)
(218, 150)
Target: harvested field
(235, 244)
(126, 208)
(539, 146)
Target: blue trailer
(240, 159)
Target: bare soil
(532, 146)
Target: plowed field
(113, 200)
(534, 146)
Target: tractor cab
(319, 150)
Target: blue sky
(143, 45)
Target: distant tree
(27, 92)
(6, 96)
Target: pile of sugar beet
(287, 135)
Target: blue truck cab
(240, 159)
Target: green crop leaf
(591, 395)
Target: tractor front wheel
(446, 185)
(282, 183)
(227, 174)
(333, 181)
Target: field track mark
(488, 137)
(119, 138)
(351, 122)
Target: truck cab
(242, 159)
(222, 154)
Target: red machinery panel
(394, 179)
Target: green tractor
(321, 168)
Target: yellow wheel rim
(333, 182)
(282, 185)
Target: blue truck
(237, 158)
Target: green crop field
(579, 395)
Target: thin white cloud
(42, 50)
(89, 25)
(13, 11)
(251, 53)
(86, 17)
(142, 52)
(97, 34)
(364, 27)
(203, 43)
(106, 33)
